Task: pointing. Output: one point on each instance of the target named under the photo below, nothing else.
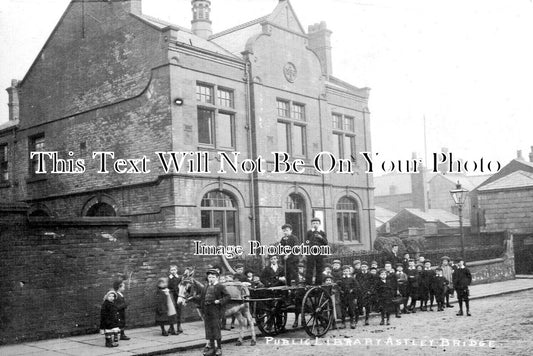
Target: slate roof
(517, 179)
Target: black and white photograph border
(145, 144)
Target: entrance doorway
(523, 254)
(295, 215)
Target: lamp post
(459, 197)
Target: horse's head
(188, 287)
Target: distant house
(505, 203)
(383, 215)
(418, 222)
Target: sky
(463, 66)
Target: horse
(190, 290)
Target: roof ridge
(238, 27)
(163, 22)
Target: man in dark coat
(392, 256)
(212, 301)
(273, 275)
(461, 280)
(315, 264)
(290, 261)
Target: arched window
(101, 209)
(218, 209)
(348, 220)
(39, 213)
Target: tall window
(343, 145)
(219, 210)
(216, 122)
(291, 128)
(36, 144)
(347, 220)
(4, 175)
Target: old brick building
(112, 79)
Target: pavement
(149, 341)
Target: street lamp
(459, 197)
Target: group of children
(358, 289)
(385, 290)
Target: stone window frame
(224, 208)
(33, 142)
(342, 129)
(217, 110)
(292, 119)
(354, 213)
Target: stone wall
(54, 273)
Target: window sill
(37, 178)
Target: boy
(239, 273)
(391, 277)
(461, 280)
(121, 304)
(447, 272)
(315, 264)
(426, 283)
(326, 271)
(412, 284)
(212, 300)
(109, 320)
(301, 273)
(385, 292)
(440, 288)
(374, 264)
(290, 260)
(348, 288)
(336, 271)
(356, 268)
(174, 281)
(401, 279)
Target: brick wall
(53, 275)
(508, 209)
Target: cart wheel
(317, 312)
(269, 318)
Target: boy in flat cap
(461, 280)
(239, 274)
(212, 300)
(401, 279)
(386, 291)
(290, 261)
(315, 264)
(440, 288)
(447, 272)
(348, 288)
(336, 270)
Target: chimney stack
(320, 43)
(519, 155)
(13, 104)
(201, 24)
